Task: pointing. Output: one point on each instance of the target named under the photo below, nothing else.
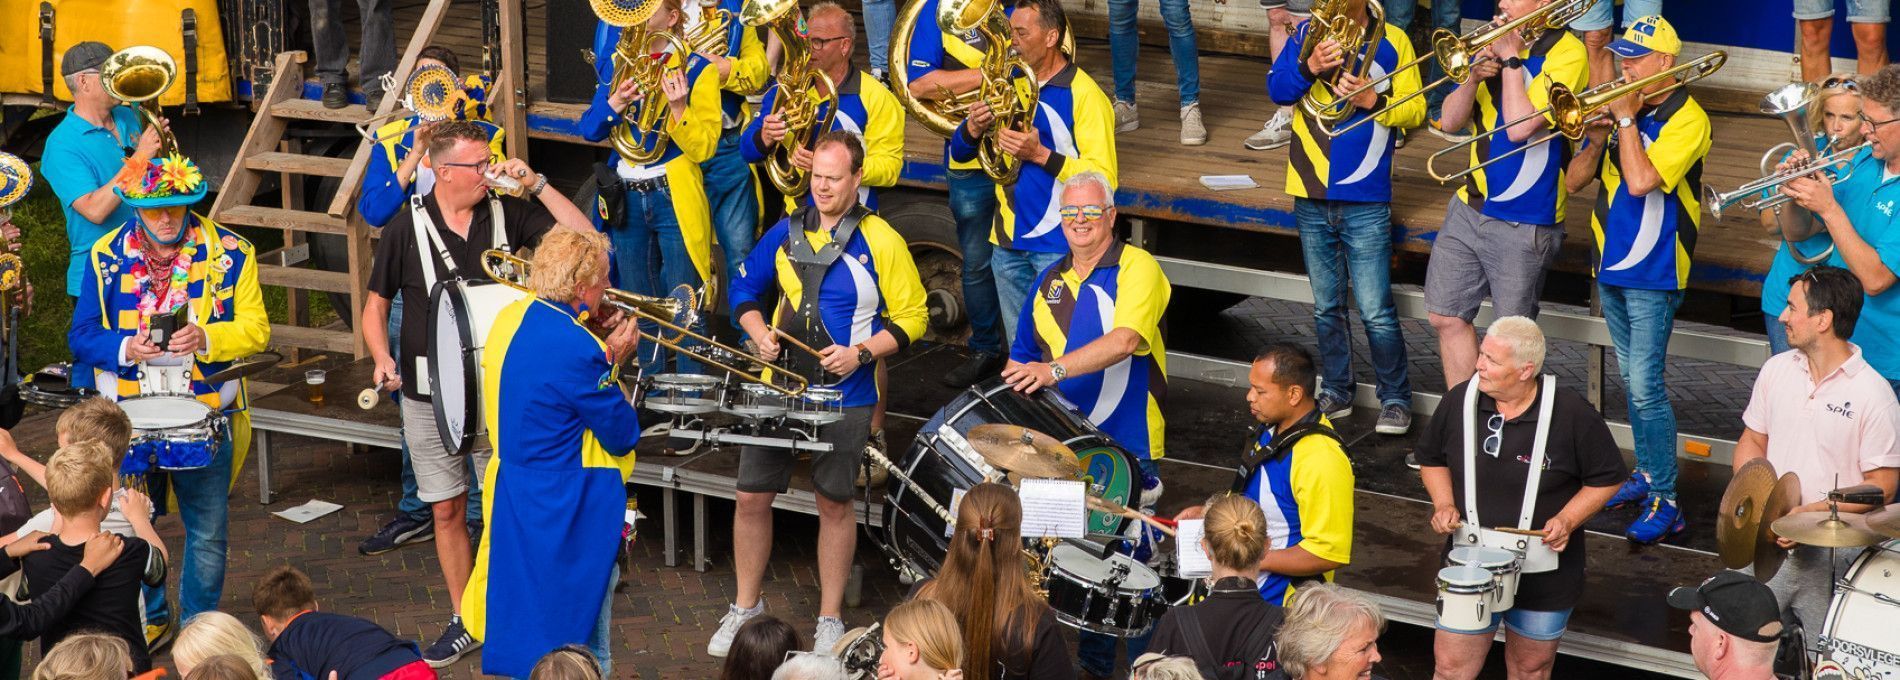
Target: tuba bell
(137, 75)
(641, 137)
(16, 180)
(802, 91)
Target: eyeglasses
(1086, 213)
(818, 43)
(1496, 440)
(1843, 82)
(1875, 124)
(480, 167)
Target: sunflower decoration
(168, 181)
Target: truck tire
(925, 222)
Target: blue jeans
(1016, 272)
(734, 203)
(652, 229)
(879, 17)
(1444, 15)
(1124, 46)
(1777, 337)
(601, 644)
(1345, 241)
(1640, 322)
(204, 504)
(411, 505)
(1096, 651)
(973, 204)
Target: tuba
(641, 137)
(1012, 107)
(432, 94)
(799, 92)
(1333, 20)
(137, 75)
(711, 34)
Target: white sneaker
(729, 628)
(1127, 117)
(829, 632)
(1193, 133)
(1278, 132)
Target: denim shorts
(1536, 625)
(1858, 11)
(1600, 14)
(1300, 8)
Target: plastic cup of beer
(314, 379)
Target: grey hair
(810, 666)
(1153, 666)
(1524, 337)
(1318, 619)
(831, 7)
(72, 81)
(1094, 178)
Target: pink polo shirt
(1827, 433)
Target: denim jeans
(879, 17)
(601, 644)
(1341, 242)
(1640, 322)
(204, 503)
(411, 505)
(1444, 15)
(733, 202)
(973, 204)
(1777, 337)
(1124, 46)
(333, 49)
(1016, 272)
(653, 230)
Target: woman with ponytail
(1008, 629)
(1229, 634)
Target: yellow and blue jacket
(1076, 122)
(1306, 494)
(1527, 187)
(1646, 241)
(1356, 166)
(864, 106)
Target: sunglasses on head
(1843, 82)
(1086, 213)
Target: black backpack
(1259, 658)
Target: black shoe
(454, 643)
(372, 99)
(335, 95)
(977, 368)
(401, 531)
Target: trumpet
(1790, 103)
(803, 89)
(137, 75)
(674, 314)
(1572, 113)
(1837, 164)
(641, 137)
(431, 93)
(1333, 20)
(1455, 55)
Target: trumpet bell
(138, 73)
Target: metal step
(298, 164)
(280, 218)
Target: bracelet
(540, 183)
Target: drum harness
(1282, 444)
(426, 232)
(811, 265)
(1474, 531)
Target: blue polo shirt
(1774, 287)
(80, 158)
(1870, 198)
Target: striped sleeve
(1142, 293)
(1682, 143)
(1322, 481)
(1412, 113)
(883, 134)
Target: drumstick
(367, 399)
(795, 341)
(1521, 532)
(1159, 525)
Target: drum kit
(762, 414)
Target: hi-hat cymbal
(1768, 554)
(1026, 452)
(1885, 521)
(1739, 524)
(1824, 529)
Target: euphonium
(799, 92)
(1359, 43)
(641, 137)
(711, 34)
(940, 115)
(1012, 106)
(137, 75)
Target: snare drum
(460, 314)
(757, 401)
(1504, 566)
(1465, 597)
(179, 433)
(686, 394)
(1115, 596)
(818, 406)
(1858, 634)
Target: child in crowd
(570, 662)
(86, 656)
(758, 647)
(306, 644)
(20, 622)
(217, 634)
(79, 481)
(222, 666)
(921, 642)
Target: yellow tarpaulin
(118, 24)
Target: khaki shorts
(441, 474)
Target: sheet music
(956, 499)
(308, 511)
(1189, 559)
(1053, 508)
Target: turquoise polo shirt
(1871, 199)
(81, 157)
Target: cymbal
(1739, 523)
(1825, 529)
(246, 367)
(1024, 451)
(1885, 521)
(1768, 554)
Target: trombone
(1456, 54)
(1572, 113)
(1332, 20)
(674, 313)
(431, 93)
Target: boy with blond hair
(80, 480)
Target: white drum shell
(1465, 597)
(1505, 568)
(1859, 632)
(462, 313)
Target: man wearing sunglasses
(1483, 454)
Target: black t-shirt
(398, 266)
(111, 606)
(1229, 616)
(315, 643)
(1580, 453)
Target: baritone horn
(674, 315)
(641, 137)
(803, 90)
(1335, 20)
(712, 35)
(137, 75)
(431, 94)
(1571, 113)
(1013, 108)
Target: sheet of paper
(1053, 508)
(1189, 559)
(634, 515)
(1228, 182)
(308, 511)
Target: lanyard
(1534, 479)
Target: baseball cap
(1649, 34)
(83, 56)
(1734, 602)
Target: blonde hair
(565, 261)
(1524, 337)
(77, 476)
(1235, 531)
(214, 633)
(1817, 109)
(86, 656)
(223, 667)
(97, 419)
(570, 662)
(932, 627)
(1318, 619)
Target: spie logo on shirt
(1885, 207)
(1845, 410)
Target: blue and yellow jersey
(1076, 123)
(1356, 166)
(1527, 187)
(864, 106)
(554, 493)
(382, 195)
(932, 48)
(1646, 241)
(1871, 200)
(1307, 495)
(872, 287)
(225, 300)
(1125, 290)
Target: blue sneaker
(1660, 521)
(1634, 490)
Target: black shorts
(834, 473)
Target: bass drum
(460, 314)
(1858, 638)
(942, 462)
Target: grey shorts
(441, 474)
(1299, 8)
(1805, 584)
(834, 473)
(1858, 11)
(1475, 256)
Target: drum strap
(811, 266)
(1282, 444)
(1547, 398)
(46, 54)
(426, 233)
(189, 23)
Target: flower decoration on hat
(168, 181)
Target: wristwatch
(1514, 62)
(1625, 122)
(1056, 370)
(864, 355)
(540, 182)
